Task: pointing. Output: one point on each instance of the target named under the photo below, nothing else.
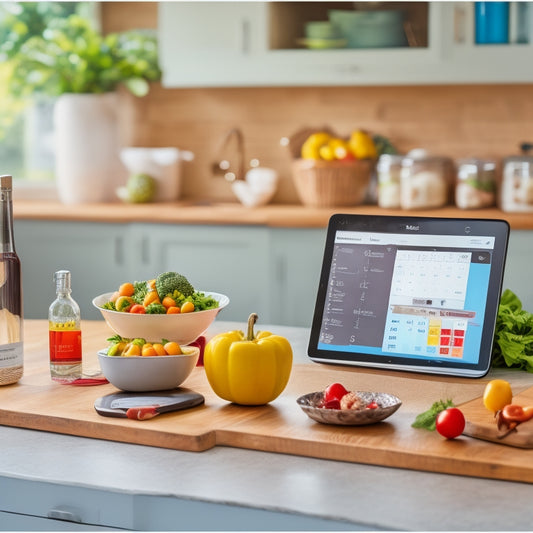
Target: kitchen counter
(274, 215)
(103, 483)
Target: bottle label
(11, 354)
(65, 346)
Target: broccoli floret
(155, 308)
(168, 282)
(139, 292)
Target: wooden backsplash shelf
(274, 215)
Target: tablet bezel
(497, 228)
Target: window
(26, 120)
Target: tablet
(410, 293)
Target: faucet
(223, 166)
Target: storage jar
(517, 184)
(389, 169)
(425, 181)
(476, 183)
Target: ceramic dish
(183, 328)
(142, 374)
(323, 44)
(350, 417)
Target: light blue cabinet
(95, 253)
(295, 262)
(271, 271)
(226, 259)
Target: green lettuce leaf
(427, 419)
(513, 335)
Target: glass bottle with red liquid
(11, 319)
(65, 332)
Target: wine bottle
(11, 316)
(64, 332)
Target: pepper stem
(252, 319)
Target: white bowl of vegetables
(166, 307)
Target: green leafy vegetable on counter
(513, 336)
(427, 419)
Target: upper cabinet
(239, 44)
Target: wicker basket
(331, 183)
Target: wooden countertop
(275, 215)
(38, 403)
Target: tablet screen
(410, 293)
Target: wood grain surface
(482, 424)
(274, 216)
(38, 403)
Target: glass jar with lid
(389, 169)
(517, 184)
(476, 183)
(425, 180)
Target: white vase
(86, 145)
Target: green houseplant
(71, 56)
(71, 60)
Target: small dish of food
(353, 408)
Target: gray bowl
(388, 404)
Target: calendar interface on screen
(421, 296)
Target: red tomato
(372, 405)
(450, 423)
(334, 392)
(332, 404)
(138, 308)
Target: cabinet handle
(145, 250)
(119, 251)
(245, 36)
(348, 69)
(62, 514)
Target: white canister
(517, 184)
(163, 164)
(425, 182)
(389, 170)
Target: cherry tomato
(138, 308)
(187, 307)
(450, 423)
(497, 395)
(126, 289)
(332, 404)
(173, 348)
(334, 392)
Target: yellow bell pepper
(248, 370)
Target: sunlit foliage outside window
(51, 48)
(26, 125)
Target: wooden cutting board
(38, 403)
(481, 424)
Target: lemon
(326, 152)
(362, 145)
(141, 188)
(313, 143)
(339, 148)
(497, 395)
